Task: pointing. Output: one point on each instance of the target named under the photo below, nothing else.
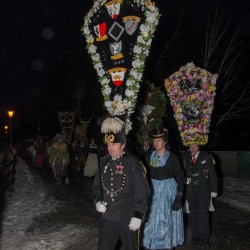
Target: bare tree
(214, 35)
(227, 50)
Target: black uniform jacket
(207, 174)
(123, 184)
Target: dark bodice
(171, 169)
(92, 149)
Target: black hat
(158, 133)
(113, 130)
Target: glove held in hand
(101, 206)
(134, 224)
(213, 194)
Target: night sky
(43, 56)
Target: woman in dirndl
(163, 228)
(92, 164)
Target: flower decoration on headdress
(119, 35)
(191, 91)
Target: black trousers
(112, 231)
(198, 206)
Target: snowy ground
(236, 193)
(32, 201)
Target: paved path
(37, 216)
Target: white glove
(188, 181)
(213, 194)
(101, 206)
(134, 224)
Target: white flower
(146, 53)
(107, 104)
(129, 92)
(137, 63)
(137, 49)
(129, 83)
(151, 17)
(90, 39)
(144, 28)
(134, 74)
(98, 66)
(140, 39)
(96, 58)
(117, 97)
(146, 109)
(86, 30)
(92, 49)
(101, 72)
(105, 81)
(148, 42)
(107, 91)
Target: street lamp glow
(10, 113)
(6, 129)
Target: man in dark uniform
(144, 150)
(201, 186)
(120, 190)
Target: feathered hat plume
(113, 125)
(113, 128)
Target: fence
(232, 163)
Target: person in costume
(121, 191)
(59, 158)
(201, 186)
(91, 165)
(144, 150)
(163, 227)
(80, 156)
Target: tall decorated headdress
(67, 122)
(191, 91)
(119, 35)
(151, 113)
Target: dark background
(45, 68)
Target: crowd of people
(141, 195)
(141, 198)
(62, 157)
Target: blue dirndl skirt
(163, 226)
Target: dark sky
(37, 36)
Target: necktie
(193, 158)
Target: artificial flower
(191, 91)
